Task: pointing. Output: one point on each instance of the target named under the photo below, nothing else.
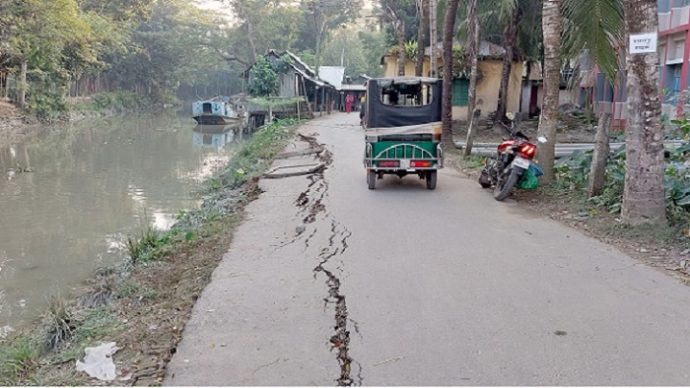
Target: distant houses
(521, 86)
(322, 93)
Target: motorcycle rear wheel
(503, 189)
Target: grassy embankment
(144, 303)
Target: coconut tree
(643, 197)
(597, 29)
(551, 25)
(510, 13)
(473, 54)
(447, 106)
(423, 16)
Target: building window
(461, 87)
(675, 85)
(678, 49)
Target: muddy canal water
(71, 195)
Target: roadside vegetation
(573, 175)
(144, 303)
(567, 199)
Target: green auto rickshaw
(402, 121)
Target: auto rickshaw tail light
(389, 163)
(420, 163)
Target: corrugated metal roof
(333, 75)
(354, 88)
(309, 77)
(301, 67)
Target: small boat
(216, 111)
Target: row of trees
(53, 49)
(555, 32)
(601, 27)
(57, 48)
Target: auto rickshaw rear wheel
(431, 180)
(371, 179)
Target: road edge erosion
(144, 303)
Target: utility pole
(432, 38)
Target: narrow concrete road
(327, 282)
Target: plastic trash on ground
(98, 362)
(530, 181)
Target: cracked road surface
(328, 283)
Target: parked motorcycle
(513, 163)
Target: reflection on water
(69, 198)
(217, 136)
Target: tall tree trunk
(643, 198)
(551, 24)
(400, 34)
(250, 37)
(597, 172)
(21, 90)
(447, 106)
(473, 48)
(421, 34)
(433, 63)
(7, 85)
(509, 41)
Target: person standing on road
(348, 102)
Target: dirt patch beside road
(571, 129)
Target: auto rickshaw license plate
(404, 164)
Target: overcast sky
(216, 6)
(219, 6)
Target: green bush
(572, 173)
(142, 249)
(120, 101)
(46, 105)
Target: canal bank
(17, 126)
(71, 196)
(144, 303)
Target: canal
(71, 195)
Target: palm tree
(596, 28)
(423, 15)
(473, 48)
(551, 22)
(510, 14)
(643, 197)
(447, 106)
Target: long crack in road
(311, 205)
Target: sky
(221, 7)
(215, 6)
